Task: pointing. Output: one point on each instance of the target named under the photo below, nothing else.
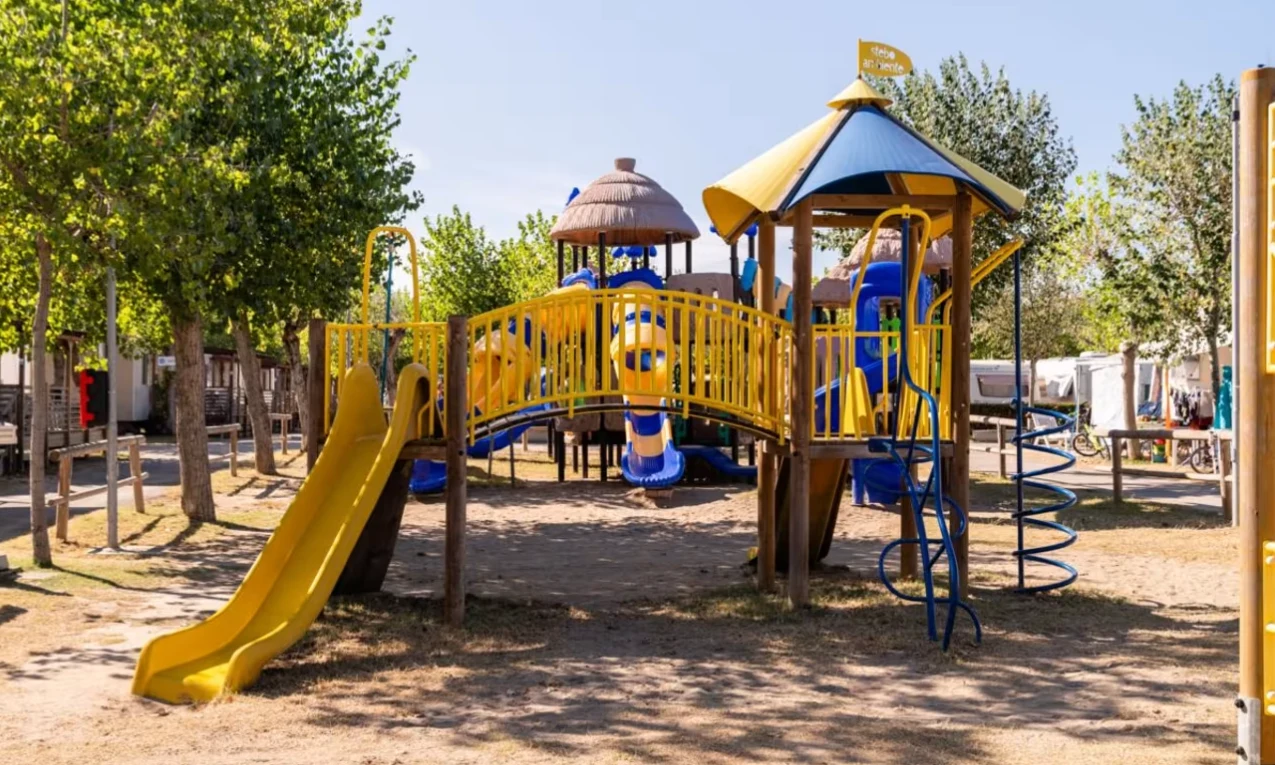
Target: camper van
(992, 382)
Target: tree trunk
(1215, 368)
(391, 373)
(1031, 382)
(192, 433)
(292, 347)
(258, 417)
(40, 551)
(1129, 378)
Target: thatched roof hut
(833, 290)
(630, 208)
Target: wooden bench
(65, 457)
(231, 431)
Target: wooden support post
(962, 265)
(1000, 450)
(768, 470)
(283, 434)
(803, 350)
(1225, 487)
(562, 247)
(135, 474)
(317, 392)
(909, 558)
(668, 255)
(1255, 481)
(64, 492)
(1117, 478)
(559, 449)
(456, 491)
(233, 435)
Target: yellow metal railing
(558, 351)
(348, 344)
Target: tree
(1127, 288)
(463, 272)
(89, 92)
(1175, 178)
(979, 115)
(320, 173)
(1053, 321)
(531, 258)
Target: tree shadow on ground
(734, 672)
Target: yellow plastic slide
(294, 575)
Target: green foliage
(531, 258)
(981, 116)
(464, 272)
(1053, 317)
(1174, 185)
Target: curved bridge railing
(681, 353)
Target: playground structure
(1254, 278)
(631, 344)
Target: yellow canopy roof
(856, 149)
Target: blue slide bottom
(669, 472)
(720, 462)
(428, 477)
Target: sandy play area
(605, 630)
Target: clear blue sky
(511, 103)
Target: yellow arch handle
(367, 278)
(989, 264)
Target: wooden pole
(456, 492)
(1225, 488)
(135, 473)
(768, 470)
(1000, 449)
(562, 255)
(64, 490)
(909, 559)
(233, 435)
(668, 254)
(962, 254)
(602, 263)
(799, 465)
(1117, 478)
(575, 258)
(1255, 480)
(317, 391)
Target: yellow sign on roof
(884, 60)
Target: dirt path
(604, 630)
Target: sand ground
(604, 629)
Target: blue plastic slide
(651, 459)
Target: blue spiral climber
(906, 448)
(1026, 517)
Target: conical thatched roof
(630, 208)
(833, 290)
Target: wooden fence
(1222, 449)
(65, 458)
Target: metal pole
(112, 426)
(688, 256)
(1235, 284)
(1018, 410)
(385, 347)
(668, 254)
